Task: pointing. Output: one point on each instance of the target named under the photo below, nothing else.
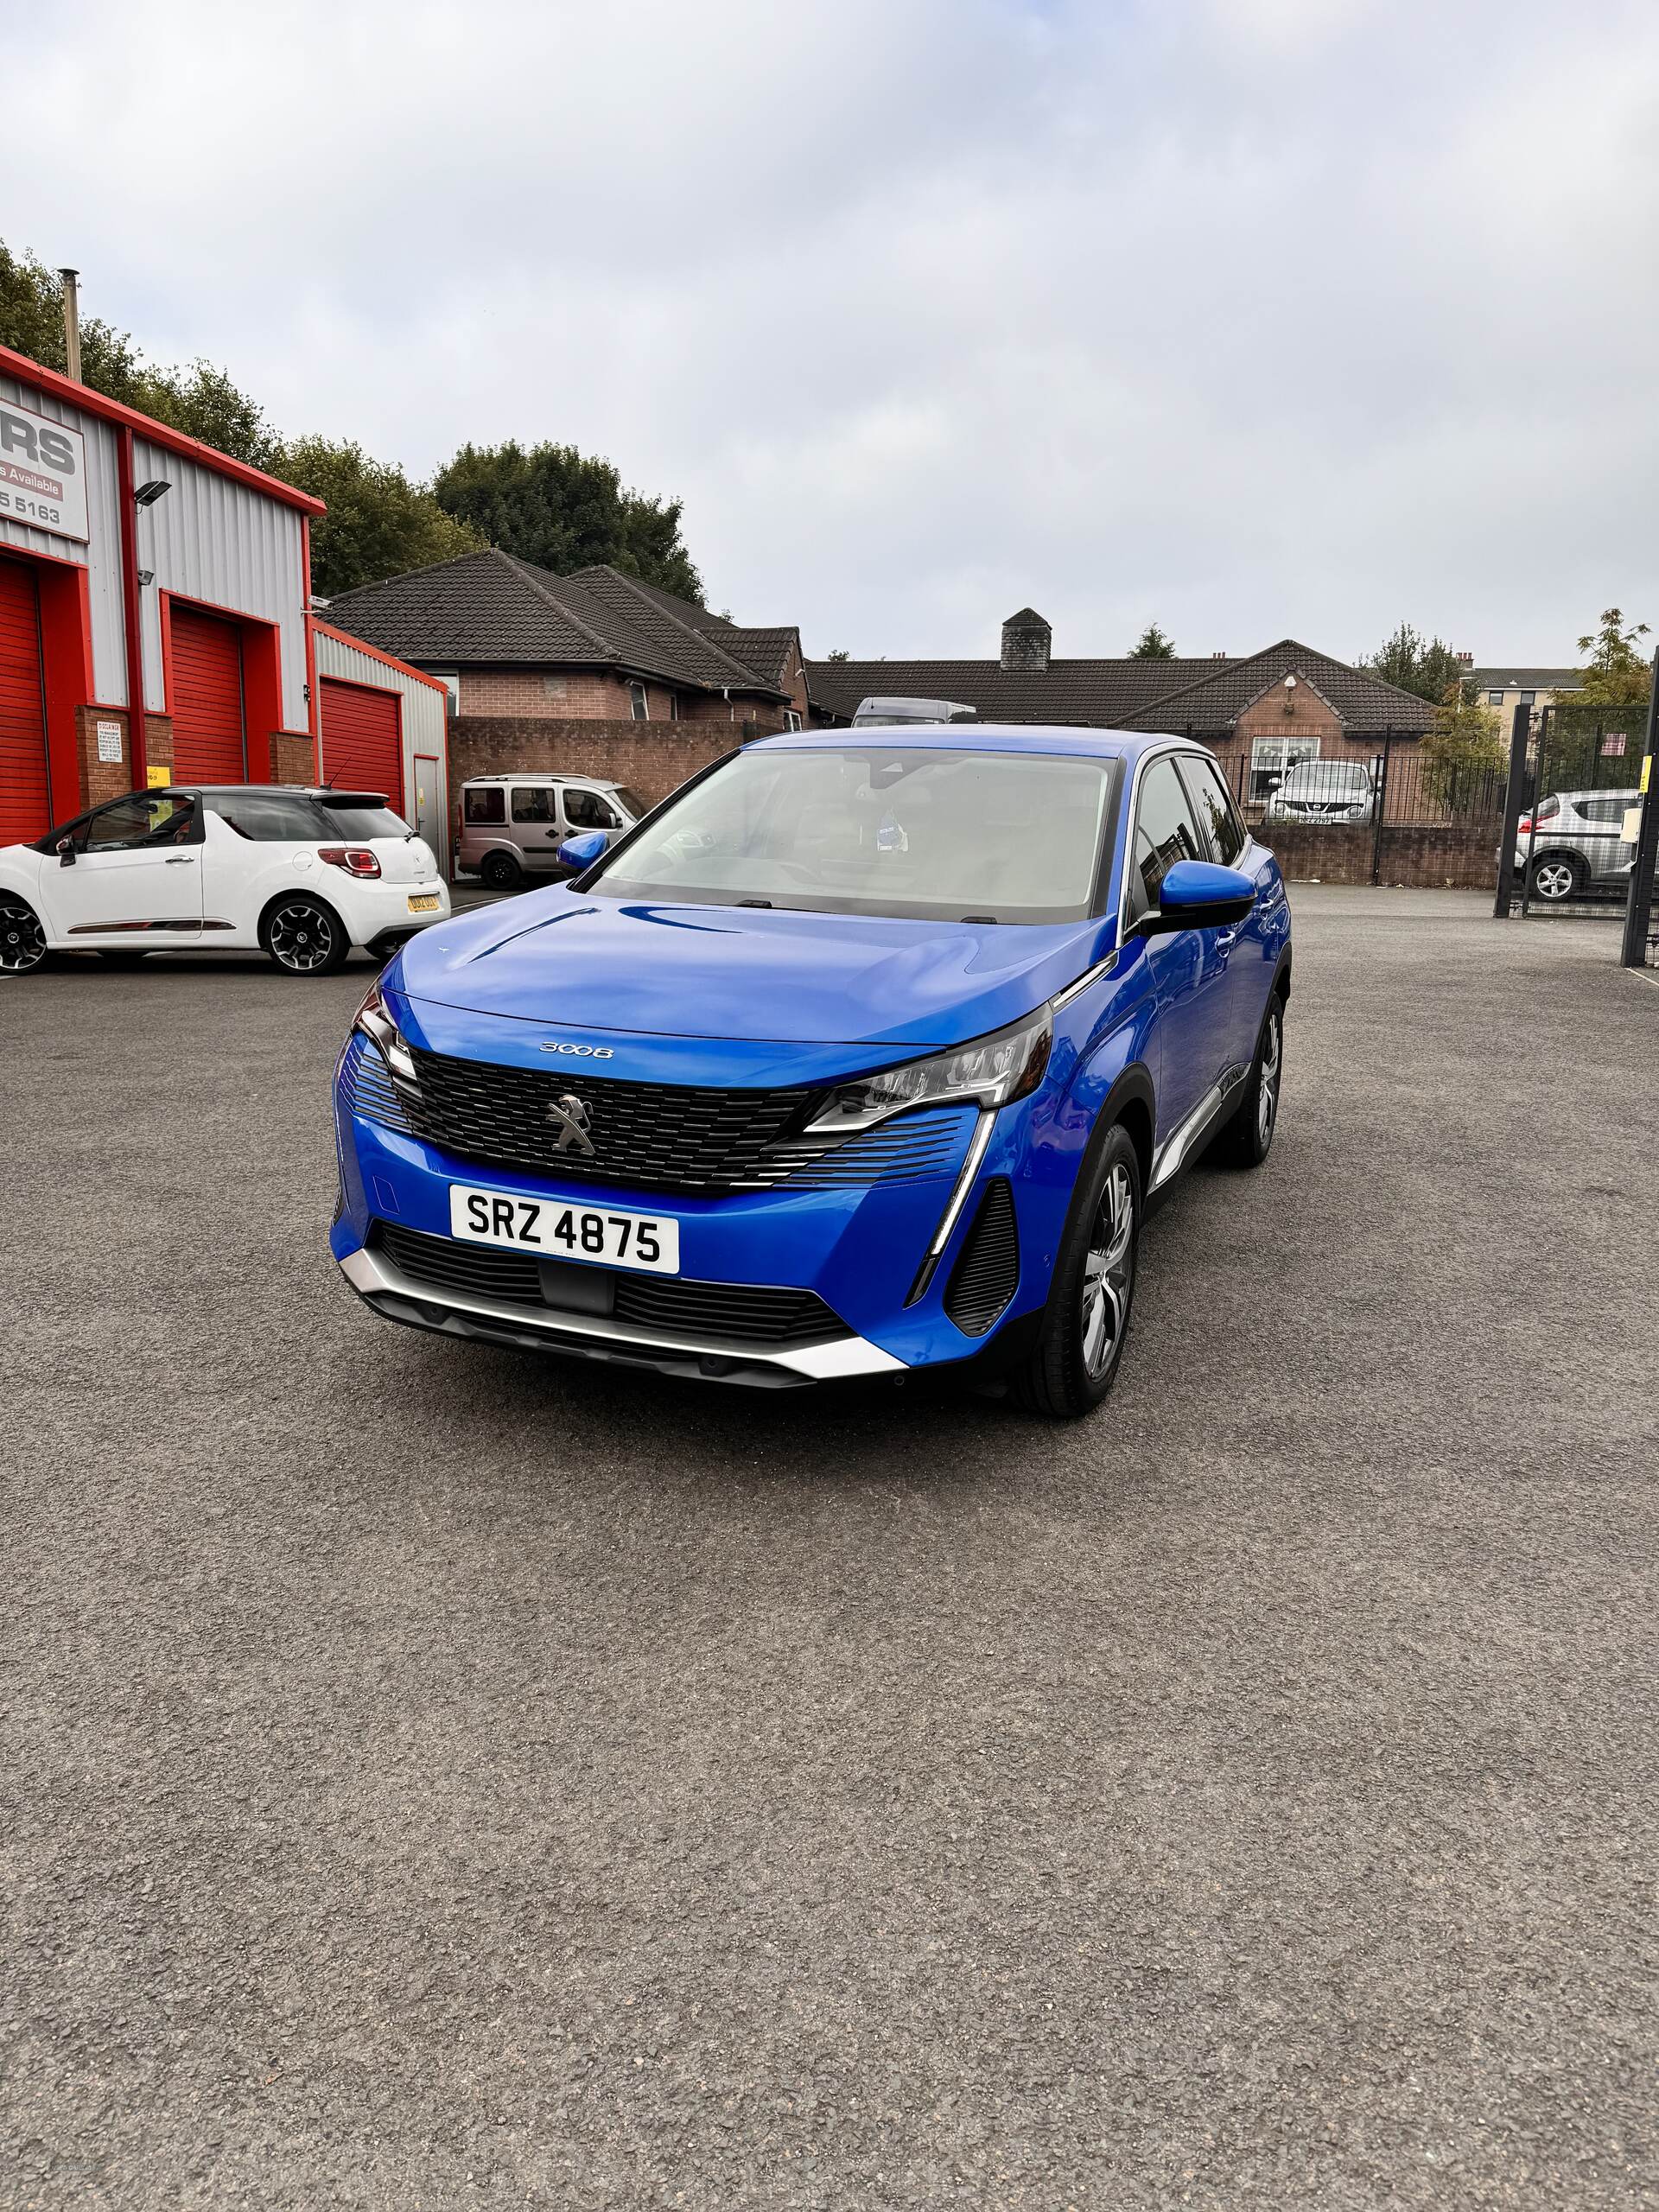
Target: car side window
(1214, 808)
(587, 810)
(534, 803)
(140, 821)
(1165, 829)
(487, 805)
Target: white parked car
(303, 875)
(1324, 791)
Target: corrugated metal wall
(101, 560)
(227, 546)
(426, 727)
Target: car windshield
(630, 802)
(1314, 778)
(894, 830)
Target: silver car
(512, 826)
(1324, 791)
(1569, 847)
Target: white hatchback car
(303, 875)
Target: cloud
(1255, 316)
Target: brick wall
(1459, 858)
(651, 757)
(570, 694)
(104, 780)
(293, 759)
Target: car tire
(1248, 1138)
(1074, 1362)
(1557, 877)
(301, 936)
(500, 872)
(23, 941)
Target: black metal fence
(1580, 802)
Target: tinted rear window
(361, 818)
(269, 817)
(486, 805)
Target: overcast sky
(1254, 317)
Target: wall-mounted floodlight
(146, 494)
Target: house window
(450, 679)
(673, 706)
(1526, 698)
(639, 703)
(1494, 698)
(791, 720)
(1272, 759)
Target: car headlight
(375, 1020)
(992, 1070)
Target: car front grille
(747, 1314)
(647, 1136)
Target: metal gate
(1582, 783)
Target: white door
(135, 878)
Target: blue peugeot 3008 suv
(866, 1051)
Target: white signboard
(109, 741)
(42, 472)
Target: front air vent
(985, 1278)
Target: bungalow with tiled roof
(1262, 712)
(595, 673)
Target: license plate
(559, 1232)
(427, 903)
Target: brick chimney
(1026, 640)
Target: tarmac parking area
(436, 1776)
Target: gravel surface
(437, 1776)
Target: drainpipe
(71, 321)
(131, 604)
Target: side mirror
(66, 852)
(1198, 895)
(581, 852)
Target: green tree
(564, 509)
(1151, 644)
(1464, 754)
(838, 652)
(1410, 661)
(1617, 673)
(378, 523)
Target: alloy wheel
(1109, 1274)
(23, 941)
(302, 938)
(1553, 879)
(1267, 1089)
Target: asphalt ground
(436, 1776)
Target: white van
(512, 826)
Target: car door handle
(1225, 939)
(181, 860)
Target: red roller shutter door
(208, 742)
(25, 803)
(362, 740)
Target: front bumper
(879, 1256)
(398, 1297)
